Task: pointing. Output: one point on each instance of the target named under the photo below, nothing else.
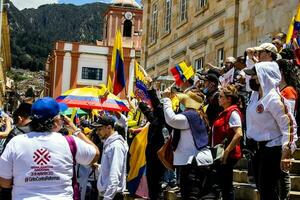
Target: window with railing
(220, 57)
(202, 4)
(91, 73)
(168, 11)
(183, 10)
(153, 32)
(199, 64)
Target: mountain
(34, 31)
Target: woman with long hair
(227, 129)
(289, 89)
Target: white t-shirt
(41, 165)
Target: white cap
(266, 46)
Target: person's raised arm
(78, 133)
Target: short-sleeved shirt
(41, 165)
(235, 120)
(291, 95)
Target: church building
(74, 64)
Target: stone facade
(212, 30)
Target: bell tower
(125, 15)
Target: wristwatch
(77, 132)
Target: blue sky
(21, 4)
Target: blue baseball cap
(46, 108)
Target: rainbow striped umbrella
(92, 98)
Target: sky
(21, 4)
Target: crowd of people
(209, 124)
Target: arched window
(127, 28)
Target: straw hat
(87, 130)
(190, 100)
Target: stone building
(207, 31)
(74, 64)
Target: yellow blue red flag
(137, 162)
(182, 73)
(293, 34)
(117, 84)
(141, 91)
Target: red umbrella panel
(91, 98)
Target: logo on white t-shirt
(41, 169)
(41, 156)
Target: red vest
(221, 130)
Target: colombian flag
(136, 180)
(117, 67)
(293, 34)
(182, 73)
(141, 90)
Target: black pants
(284, 185)
(154, 172)
(224, 173)
(5, 193)
(266, 169)
(192, 181)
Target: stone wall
(232, 25)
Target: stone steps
(297, 154)
(294, 195)
(244, 190)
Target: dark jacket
(17, 130)
(213, 109)
(157, 122)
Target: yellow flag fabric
(117, 47)
(290, 31)
(137, 153)
(188, 71)
(73, 114)
(297, 17)
(140, 73)
(175, 103)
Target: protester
(193, 138)
(21, 118)
(6, 125)
(40, 163)
(289, 83)
(169, 179)
(187, 85)
(270, 126)
(29, 96)
(278, 44)
(5, 128)
(227, 130)
(228, 65)
(112, 178)
(265, 52)
(121, 119)
(289, 86)
(211, 83)
(155, 168)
